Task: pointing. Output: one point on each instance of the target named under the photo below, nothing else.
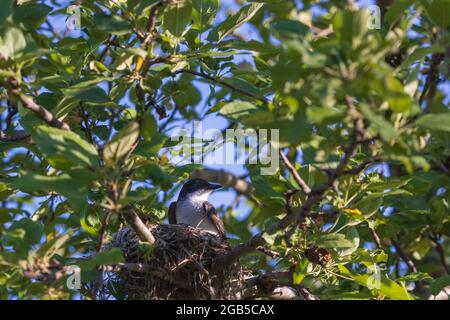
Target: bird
(194, 209)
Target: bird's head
(197, 189)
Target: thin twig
(376, 239)
(440, 251)
(290, 200)
(98, 283)
(268, 252)
(225, 84)
(404, 256)
(306, 189)
(149, 35)
(431, 82)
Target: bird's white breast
(192, 213)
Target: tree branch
(98, 283)
(440, 251)
(149, 34)
(224, 84)
(306, 189)
(430, 87)
(151, 25)
(138, 226)
(361, 167)
(42, 113)
(376, 238)
(404, 256)
(228, 180)
(15, 136)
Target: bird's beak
(214, 186)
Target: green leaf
(253, 45)
(73, 188)
(438, 10)
(438, 284)
(263, 187)
(350, 26)
(50, 247)
(368, 205)
(301, 271)
(148, 126)
(386, 129)
(112, 256)
(390, 183)
(300, 129)
(114, 24)
(65, 149)
(334, 240)
(204, 11)
(128, 114)
(12, 43)
(176, 17)
(5, 10)
(121, 144)
(398, 99)
(92, 94)
(257, 119)
(155, 173)
(32, 15)
(33, 230)
(369, 258)
(140, 194)
(439, 212)
(237, 109)
(324, 116)
(351, 234)
(420, 53)
(414, 276)
(352, 295)
(86, 222)
(13, 237)
(152, 147)
(378, 283)
(435, 121)
(395, 11)
(230, 24)
(290, 28)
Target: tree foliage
(362, 192)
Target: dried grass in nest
(178, 266)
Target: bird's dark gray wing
(172, 215)
(211, 213)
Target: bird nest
(177, 267)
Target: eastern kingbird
(192, 207)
